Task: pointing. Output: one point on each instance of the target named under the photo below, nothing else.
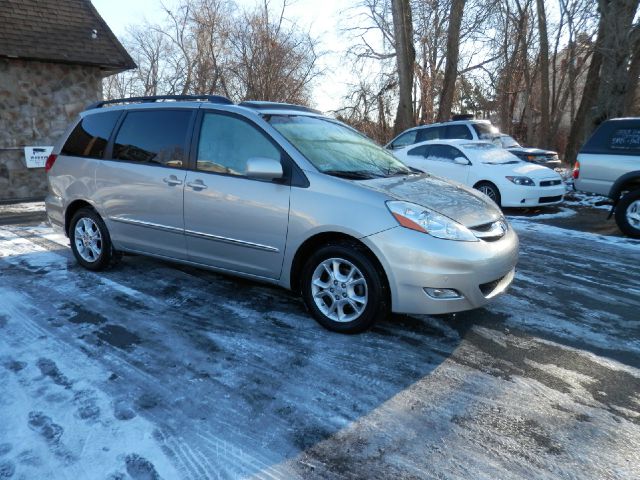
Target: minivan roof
(448, 122)
(257, 106)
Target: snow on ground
(18, 208)
(524, 224)
(562, 212)
(152, 370)
(585, 200)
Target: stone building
(53, 57)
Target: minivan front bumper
(416, 263)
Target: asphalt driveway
(154, 370)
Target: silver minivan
(281, 194)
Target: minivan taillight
(576, 170)
(50, 161)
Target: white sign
(36, 157)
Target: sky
(323, 18)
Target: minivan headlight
(526, 181)
(425, 220)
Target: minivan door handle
(197, 185)
(172, 181)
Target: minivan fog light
(442, 293)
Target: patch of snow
(563, 213)
(581, 199)
(524, 224)
(17, 208)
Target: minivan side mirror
(461, 161)
(264, 168)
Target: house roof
(61, 31)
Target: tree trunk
(451, 69)
(579, 126)
(544, 76)
(633, 79)
(405, 59)
(617, 19)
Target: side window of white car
(421, 151)
(443, 153)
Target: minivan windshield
(336, 149)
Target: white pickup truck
(609, 164)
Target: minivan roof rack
(155, 98)
(463, 116)
(261, 105)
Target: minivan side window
(89, 138)
(405, 139)
(227, 142)
(153, 136)
(431, 133)
(458, 131)
(625, 140)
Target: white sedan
(500, 175)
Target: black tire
(377, 304)
(624, 204)
(490, 190)
(107, 255)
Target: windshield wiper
(402, 172)
(352, 174)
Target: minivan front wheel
(343, 289)
(628, 214)
(90, 240)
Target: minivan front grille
(490, 232)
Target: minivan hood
(454, 200)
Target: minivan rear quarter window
(458, 131)
(153, 136)
(90, 137)
(485, 131)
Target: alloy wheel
(339, 290)
(633, 214)
(88, 239)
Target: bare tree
(405, 60)
(632, 99)
(617, 18)
(545, 131)
(272, 61)
(451, 70)
(607, 82)
(211, 46)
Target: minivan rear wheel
(343, 288)
(90, 240)
(628, 214)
